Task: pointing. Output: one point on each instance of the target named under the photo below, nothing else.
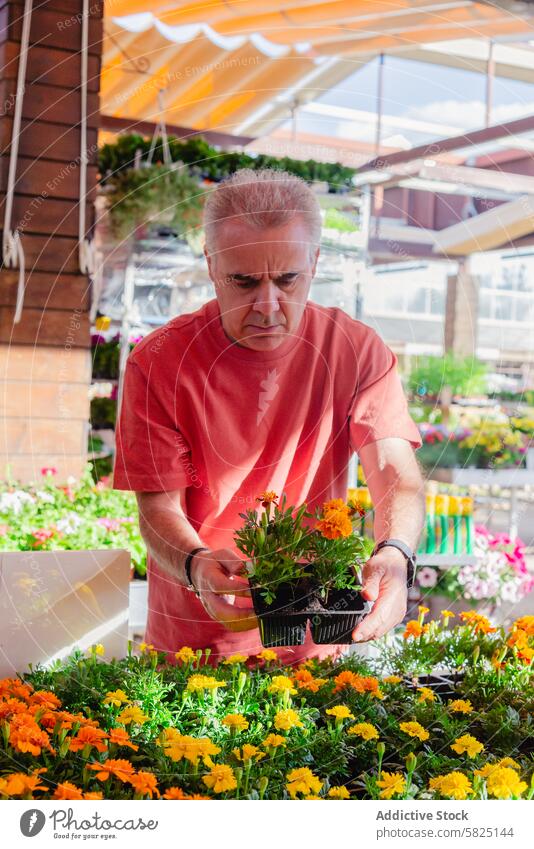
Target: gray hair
(266, 198)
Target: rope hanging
(12, 248)
(161, 130)
(86, 247)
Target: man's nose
(267, 299)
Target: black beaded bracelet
(187, 568)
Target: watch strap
(187, 566)
(408, 553)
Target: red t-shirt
(227, 423)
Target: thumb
(371, 582)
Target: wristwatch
(187, 567)
(408, 553)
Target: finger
(371, 582)
(387, 612)
(218, 581)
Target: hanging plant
(155, 194)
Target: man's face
(262, 279)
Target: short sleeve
(379, 408)
(149, 448)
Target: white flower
(47, 497)
(69, 523)
(14, 501)
(427, 577)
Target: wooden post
(45, 361)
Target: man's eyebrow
(251, 276)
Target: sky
(419, 91)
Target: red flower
(48, 470)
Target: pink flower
(427, 577)
(41, 536)
(48, 470)
(3, 530)
(109, 524)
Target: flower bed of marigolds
(183, 727)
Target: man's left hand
(384, 582)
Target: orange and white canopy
(239, 66)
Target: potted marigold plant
(302, 566)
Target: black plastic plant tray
(283, 623)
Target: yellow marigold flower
(197, 683)
(340, 712)
(235, 721)
(504, 782)
(487, 769)
(268, 655)
(365, 730)
(116, 698)
(423, 610)
(281, 684)
(181, 746)
(132, 713)
(302, 781)
(339, 792)
(447, 614)
(336, 524)
(413, 629)
(426, 694)
(392, 783)
(273, 741)
(144, 647)
(393, 679)
(185, 654)
(235, 658)
(461, 706)
(455, 785)
(220, 778)
(247, 752)
(98, 648)
(284, 720)
(414, 729)
(468, 744)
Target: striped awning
(241, 66)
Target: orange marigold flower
(174, 793)
(145, 784)
(525, 623)
(20, 784)
(267, 497)
(305, 680)
(335, 504)
(120, 737)
(11, 707)
(26, 736)
(121, 769)
(45, 699)
(413, 629)
(92, 795)
(67, 790)
(334, 525)
(15, 688)
(480, 623)
(87, 736)
(518, 639)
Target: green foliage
(501, 698)
(465, 376)
(156, 194)
(336, 220)
(207, 161)
(77, 517)
(284, 548)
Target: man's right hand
(215, 575)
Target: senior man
(260, 389)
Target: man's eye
(283, 281)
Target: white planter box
(138, 607)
